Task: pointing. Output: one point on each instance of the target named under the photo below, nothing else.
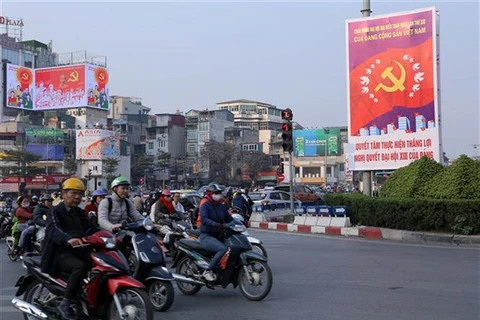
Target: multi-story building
(201, 127)
(166, 134)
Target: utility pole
(287, 144)
(367, 175)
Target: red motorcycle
(108, 291)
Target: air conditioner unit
(67, 112)
(75, 112)
(63, 125)
(83, 112)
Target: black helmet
(213, 187)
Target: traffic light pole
(290, 180)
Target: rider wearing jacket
(214, 215)
(66, 225)
(163, 207)
(97, 196)
(111, 220)
(46, 202)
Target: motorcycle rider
(122, 208)
(214, 215)
(163, 208)
(46, 202)
(97, 197)
(66, 225)
(23, 215)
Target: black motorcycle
(240, 266)
(177, 223)
(147, 263)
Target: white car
(272, 197)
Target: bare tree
(254, 162)
(220, 156)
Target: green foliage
(407, 182)
(461, 180)
(110, 167)
(440, 215)
(20, 163)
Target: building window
(150, 145)
(192, 135)
(27, 59)
(10, 55)
(191, 148)
(203, 137)
(162, 144)
(264, 126)
(203, 126)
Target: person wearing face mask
(214, 215)
(114, 210)
(23, 215)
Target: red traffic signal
(287, 127)
(287, 114)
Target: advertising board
(311, 143)
(19, 84)
(94, 144)
(393, 102)
(61, 87)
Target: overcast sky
(191, 55)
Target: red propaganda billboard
(60, 87)
(71, 86)
(393, 102)
(20, 87)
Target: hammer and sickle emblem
(101, 76)
(397, 82)
(25, 76)
(73, 76)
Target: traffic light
(287, 114)
(89, 176)
(280, 166)
(287, 137)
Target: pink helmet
(166, 193)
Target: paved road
(321, 277)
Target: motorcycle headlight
(239, 228)
(148, 224)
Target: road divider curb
(372, 233)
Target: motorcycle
(240, 266)
(257, 245)
(108, 291)
(177, 224)
(147, 264)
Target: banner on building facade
(393, 103)
(61, 87)
(93, 144)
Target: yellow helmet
(73, 184)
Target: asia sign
(71, 86)
(93, 144)
(393, 109)
(311, 143)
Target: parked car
(272, 197)
(302, 193)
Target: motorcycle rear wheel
(29, 297)
(256, 271)
(186, 288)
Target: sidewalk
(374, 233)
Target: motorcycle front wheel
(256, 274)
(259, 248)
(185, 269)
(133, 302)
(161, 294)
